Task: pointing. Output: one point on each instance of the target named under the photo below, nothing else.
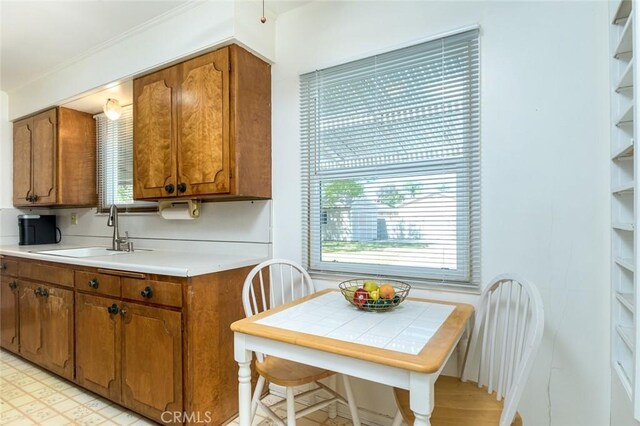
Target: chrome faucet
(118, 243)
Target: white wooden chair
(283, 282)
(507, 333)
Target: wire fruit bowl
(380, 300)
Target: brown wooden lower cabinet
(57, 330)
(130, 353)
(98, 342)
(46, 326)
(159, 345)
(9, 313)
(151, 360)
(30, 322)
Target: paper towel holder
(194, 206)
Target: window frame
(135, 206)
(468, 201)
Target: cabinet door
(43, 157)
(151, 360)
(98, 345)
(9, 313)
(22, 131)
(30, 321)
(154, 134)
(57, 331)
(203, 123)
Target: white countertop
(156, 261)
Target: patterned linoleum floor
(30, 395)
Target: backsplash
(237, 225)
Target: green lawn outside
(354, 246)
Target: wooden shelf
(625, 152)
(625, 44)
(627, 335)
(624, 188)
(626, 116)
(626, 80)
(625, 263)
(626, 299)
(622, 11)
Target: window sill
(447, 287)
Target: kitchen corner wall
(6, 153)
(545, 173)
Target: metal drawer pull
(113, 309)
(94, 283)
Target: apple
(360, 297)
(370, 285)
(387, 291)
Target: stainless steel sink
(84, 252)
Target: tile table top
(419, 335)
(407, 328)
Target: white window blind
(391, 164)
(115, 162)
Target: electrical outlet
(74, 218)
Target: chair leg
(333, 408)
(256, 397)
(397, 420)
(353, 408)
(291, 407)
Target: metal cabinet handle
(169, 188)
(37, 292)
(44, 292)
(94, 283)
(13, 285)
(147, 292)
(113, 309)
(123, 312)
(182, 187)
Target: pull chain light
(264, 18)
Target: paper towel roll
(176, 212)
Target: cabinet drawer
(160, 292)
(47, 273)
(8, 267)
(98, 283)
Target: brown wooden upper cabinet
(54, 159)
(202, 128)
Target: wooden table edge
(429, 360)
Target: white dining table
(406, 347)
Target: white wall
(6, 152)
(545, 176)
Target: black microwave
(37, 229)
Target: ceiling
(37, 37)
(40, 37)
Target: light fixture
(112, 109)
